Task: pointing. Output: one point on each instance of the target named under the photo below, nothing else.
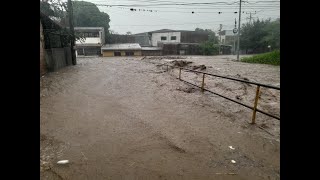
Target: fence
(254, 108)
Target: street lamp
(269, 48)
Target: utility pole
(220, 38)
(234, 37)
(70, 13)
(238, 49)
(250, 17)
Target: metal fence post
(202, 85)
(255, 105)
(180, 73)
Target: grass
(272, 58)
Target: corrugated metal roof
(151, 48)
(125, 46)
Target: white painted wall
(156, 37)
(90, 40)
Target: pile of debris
(181, 63)
(201, 67)
(162, 57)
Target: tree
(212, 35)
(128, 33)
(87, 14)
(258, 35)
(273, 36)
(53, 8)
(209, 48)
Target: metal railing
(254, 108)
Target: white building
(165, 36)
(227, 37)
(91, 44)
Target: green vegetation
(85, 14)
(257, 36)
(272, 58)
(209, 48)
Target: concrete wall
(57, 58)
(156, 37)
(123, 53)
(194, 37)
(151, 53)
(43, 67)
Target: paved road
(122, 118)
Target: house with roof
(125, 49)
(92, 41)
(155, 38)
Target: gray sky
(179, 17)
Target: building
(151, 51)
(126, 49)
(144, 39)
(227, 37)
(94, 38)
(180, 48)
(120, 39)
(177, 36)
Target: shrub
(209, 48)
(272, 58)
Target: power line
(172, 24)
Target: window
(91, 34)
(129, 53)
(173, 37)
(163, 38)
(117, 53)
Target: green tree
(209, 48)
(260, 34)
(53, 8)
(212, 35)
(273, 36)
(87, 14)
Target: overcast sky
(180, 17)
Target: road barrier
(254, 108)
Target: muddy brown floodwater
(125, 118)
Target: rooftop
(124, 46)
(163, 31)
(151, 48)
(89, 28)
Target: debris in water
(63, 162)
(233, 161)
(231, 147)
(201, 67)
(227, 173)
(181, 63)
(238, 97)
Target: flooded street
(126, 118)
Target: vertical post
(202, 85)
(238, 49)
(70, 13)
(255, 105)
(167, 68)
(234, 37)
(180, 73)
